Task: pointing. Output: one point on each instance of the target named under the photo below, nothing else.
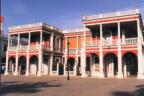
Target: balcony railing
(46, 48)
(129, 41)
(13, 48)
(114, 42)
(93, 43)
(72, 51)
(26, 47)
(59, 50)
(34, 47)
(23, 48)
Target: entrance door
(61, 70)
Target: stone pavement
(77, 86)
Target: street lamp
(68, 66)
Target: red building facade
(109, 45)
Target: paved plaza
(77, 86)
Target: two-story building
(38, 50)
(109, 45)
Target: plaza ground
(77, 86)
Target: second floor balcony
(114, 42)
(33, 48)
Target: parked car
(2, 68)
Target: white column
(77, 54)
(65, 64)
(83, 54)
(65, 56)
(28, 58)
(17, 65)
(9, 37)
(59, 49)
(101, 75)
(41, 39)
(120, 73)
(76, 63)
(6, 69)
(52, 49)
(40, 64)
(27, 65)
(140, 63)
(51, 63)
(40, 56)
(18, 40)
(51, 41)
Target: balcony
(58, 50)
(34, 47)
(92, 44)
(13, 48)
(114, 42)
(72, 51)
(129, 41)
(23, 48)
(30, 48)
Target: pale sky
(65, 14)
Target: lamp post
(68, 66)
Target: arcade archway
(22, 65)
(110, 65)
(33, 65)
(71, 62)
(130, 64)
(11, 65)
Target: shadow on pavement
(138, 92)
(24, 87)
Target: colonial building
(38, 50)
(109, 45)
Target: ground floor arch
(78, 70)
(92, 63)
(110, 65)
(71, 62)
(61, 69)
(45, 66)
(130, 64)
(55, 64)
(22, 65)
(11, 65)
(33, 65)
